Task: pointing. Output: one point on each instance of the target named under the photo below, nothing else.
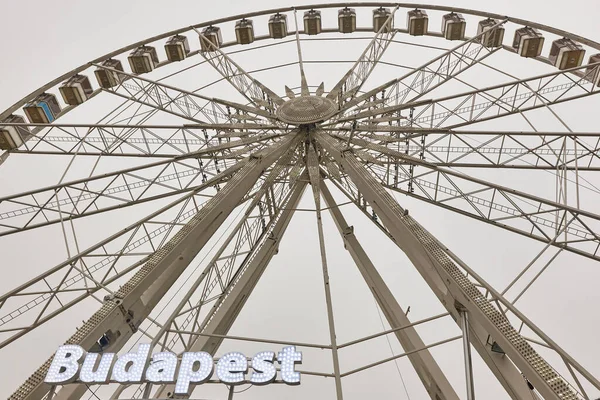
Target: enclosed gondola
(312, 22)
(177, 48)
(143, 59)
(453, 26)
(593, 71)
(11, 137)
(347, 20)
(244, 31)
(417, 22)
(107, 78)
(382, 18)
(76, 90)
(492, 34)
(528, 42)
(565, 54)
(43, 109)
(211, 38)
(278, 26)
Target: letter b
(65, 364)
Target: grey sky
(44, 40)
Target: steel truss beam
(269, 200)
(176, 101)
(220, 274)
(490, 103)
(514, 150)
(102, 193)
(491, 294)
(435, 382)
(96, 268)
(133, 302)
(345, 90)
(118, 112)
(516, 211)
(227, 307)
(454, 288)
(312, 164)
(143, 140)
(247, 86)
(426, 78)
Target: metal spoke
(161, 269)
(312, 164)
(216, 322)
(249, 87)
(303, 83)
(346, 89)
(490, 103)
(455, 290)
(429, 76)
(102, 263)
(432, 377)
(490, 149)
(507, 208)
(188, 105)
(115, 190)
(116, 139)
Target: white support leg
(464, 323)
(451, 286)
(432, 377)
(224, 312)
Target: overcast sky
(44, 40)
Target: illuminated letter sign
(195, 367)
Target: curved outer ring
(60, 79)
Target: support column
(451, 286)
(312, 162)
(224, 312)
(435, 382)
(464, 323)
(135, 300)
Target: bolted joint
(114, 298)
(117, 301)
(272, 237)
(127, 314)
(459, 307)
(348, 231)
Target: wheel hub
(306, 110)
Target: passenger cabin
(565, 54)
(312, 22)
(76, 90)
(244, 31)
(593, 71)
(417, 22)
(491, 37)
(11, 137)
(453, 26)
(380, 17)
(177, 48)
(143, 59)
(43, 109)
(107, 79)
(347, 20)
(528, 42)
(278, 26)
(212, 39)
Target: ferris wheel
(184, 168)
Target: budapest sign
(194, 368)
